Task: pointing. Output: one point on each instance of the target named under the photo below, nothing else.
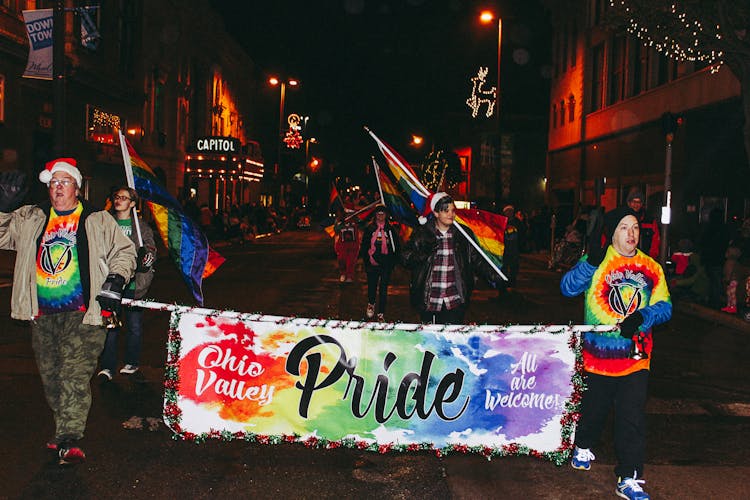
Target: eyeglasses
(122, 198)
(60, 182)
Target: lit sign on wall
(217, 145)
(101, 126)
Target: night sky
(398, 66)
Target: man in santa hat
(442, 264)
(72, 263)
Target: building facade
(155, 74)
(609, 96)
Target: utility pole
(58, 76)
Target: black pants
(444, 316)
(628, 394)
(378, 278)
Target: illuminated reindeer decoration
(481, 96)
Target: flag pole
(481, 252)
(377, 179)
(131, 183)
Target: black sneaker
(70, 453)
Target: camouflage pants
(66, 353)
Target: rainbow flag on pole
(400, 208)
(187, 244)
(484, 230)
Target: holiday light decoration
(480, 95)
(293, 138)
(673, 32)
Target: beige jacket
(109, 251)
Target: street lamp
(487, 17)
(274, 81)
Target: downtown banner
(39, 31)
(491, 390)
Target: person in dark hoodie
(379, 252)
(443, 264)
(72, 263)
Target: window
(571, 108)
(126, 37)
(101, 126)
(2, 98)
(597, 77)
(554, 116)
(573, 43)
(617, 71)
(564, 49)
(562, 112)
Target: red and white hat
(432, 201)
(67, 165)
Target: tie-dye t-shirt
(58, 278)
(619, 287)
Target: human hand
(144, 260)
(630, 325)
(12, 190)
(110, 296)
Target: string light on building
(670, 46)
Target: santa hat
(67, 165)
(432, 202)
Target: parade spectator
(650, 238)
(346, 246)
(692, 285)
(512, 251)
(72, 263)
(379, 251)
(713, 246)
(732, 274)
(442, 264)
(623, 286)
(123, 201)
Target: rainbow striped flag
(484, 230)
(405, 177)
(487, 229)
(187, 244)
(400, 208)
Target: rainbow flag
(487, 230)
(334, 199)
(401, 209)
(187, 244)
(405, 177)
(484, 230)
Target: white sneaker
(105, 374)
(129, 369)
(342, 278)
(370, 311)
(381, 317)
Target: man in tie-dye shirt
(623, 286)
(72, 263)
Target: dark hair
(442, 203)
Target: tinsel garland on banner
(173, 413)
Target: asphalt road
(697, 413)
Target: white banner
(39, 32)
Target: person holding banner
(72, 262)
(442, 264)
(124, 201)
(623, 286)
(379, 251)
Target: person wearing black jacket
(442, 264)
(379, 251)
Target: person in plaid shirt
(442, 264)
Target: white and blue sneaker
(582, 458)
(630, 488)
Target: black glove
(110, 295)
(630, 325)
(13, 188)
(595, 251)
(144, 260)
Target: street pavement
(697, 411)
